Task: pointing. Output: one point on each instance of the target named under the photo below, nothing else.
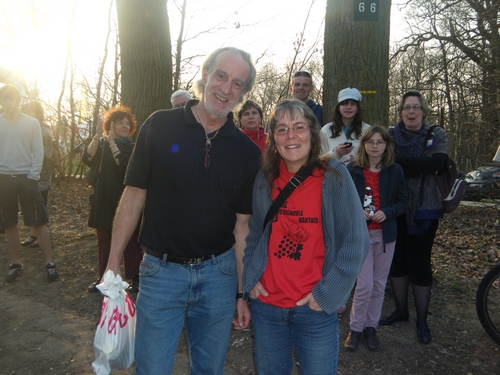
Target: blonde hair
(362, 157)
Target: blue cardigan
(393, 195)
(344, 231)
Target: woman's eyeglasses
(407, 108)
(297, 129)
(378, 143)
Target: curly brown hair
(116, 114)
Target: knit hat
(349, 93)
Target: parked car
(484, 182)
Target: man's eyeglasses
(378, 143)
(282, 130)
(407, 108)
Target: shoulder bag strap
(294, 182)
(101, 143)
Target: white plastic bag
(115, 334)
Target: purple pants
(370, 285)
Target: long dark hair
(356, 125)
(271, 159)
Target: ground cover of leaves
(48, 328)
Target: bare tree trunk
(73, 125)
(60, 121)
(146, 55)
(97, 106)
(178, 53)
(357, 55)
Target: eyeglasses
(282, 130)
(407, 108)
(378, 143)
(208, 147)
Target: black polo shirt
(191, 210)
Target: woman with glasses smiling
(420, 158)
(382, 191)
(301, 264)
(344, 133)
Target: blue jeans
(202, 296)
(314, 334)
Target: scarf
(423, 204)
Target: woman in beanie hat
(345, 132)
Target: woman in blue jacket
(301, 266)
(381, 187)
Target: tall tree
(469, 32)
(146, 56)
(357, 55)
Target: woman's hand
(343, 149)
(367, 215)
(379, 216)
(111, 134)
(258, 290)
(311, 302)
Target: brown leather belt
(177, 259)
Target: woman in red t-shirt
(301, 266)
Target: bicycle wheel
(488, 303)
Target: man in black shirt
(192, 171)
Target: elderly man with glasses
(191, 182)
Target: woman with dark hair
(345, 131)
(301, 264)
(421, 155)
(110, 155)
(382, 191)
(250, 118)
(35, 109)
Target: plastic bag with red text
(115, 334)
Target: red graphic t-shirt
(296, 249)
(372, 196)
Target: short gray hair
(208, 66)
(179, 93)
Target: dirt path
(49, 328)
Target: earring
(275, 150)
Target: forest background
(144, 50)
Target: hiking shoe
(352, 340)
(92, 288)
(52, 274)
(371, 340)
(28, 241)
(14, 272)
